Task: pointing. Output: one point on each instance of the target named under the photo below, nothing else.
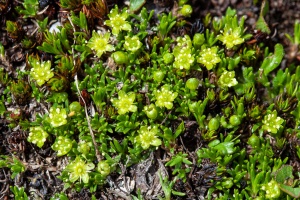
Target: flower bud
(192, 83)
(235, 120)
(103, 168)
(168, 58)
(186, 10)
(120, 57)
(254, 141)
(158, 76)
(213, 124)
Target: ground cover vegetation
(125, 102)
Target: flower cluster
(231, 37)
(58, 116)
(132, 43)
(37, 136)
(125, 102)
(99, 42)
(183, 59)
(148, 136)
(62, 145)
(209, 57)
(78, 169)
(272, 123)
(183, 53)
(272, 189)
(227, 79)
(184, 41)
(40, 72)
(118, 21)
(165, 97)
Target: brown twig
(98, 155)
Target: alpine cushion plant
(165, 97)
(37, 136)
(117, 21)
(125, 102)
(99, 42)
(78, 169)
(209, 57)
(148, 136)
(164, 92)
(41, 71)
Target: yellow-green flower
(78, 169)
(209, 57)
(183, 58)
(99, 42)
(164, 97)
(125, 102)
(37, 136)
(132, 43)
(184, 41)
(58, 116)
(272, 189)
(62, 145)
(272, 123)
(117, 22)
(40, 72)
(227, 79)
(231, 37)
(148, 136)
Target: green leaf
(280, 78)
(294, 192)
(272, 62)
(135, 5)
(181, 194)
(117, 146)
(285, 172)
(83, 22)
(261, 24)
(179, 130)
(225, 148)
